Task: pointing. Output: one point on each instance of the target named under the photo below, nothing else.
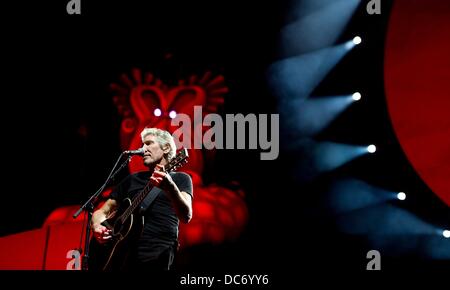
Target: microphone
(139, 151)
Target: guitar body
(112, 255)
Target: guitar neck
(137, 201)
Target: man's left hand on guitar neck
(160, 178)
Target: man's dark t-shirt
(160, 220)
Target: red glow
(203, 210)
(417, 70)
(213, 222)
(41, 249)
(23, 251)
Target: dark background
(55, 80)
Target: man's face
(153, 153)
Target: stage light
(172, 114)
(401, 196)
(356, 96)
(446, 234)
(309, 16)
(313, 67)
(157, 112)
(353, 194)
(357, 40)
(371, 148)
(309, 117)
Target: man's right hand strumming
(101, 233)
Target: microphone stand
(89, 207)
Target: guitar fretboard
(173, 164)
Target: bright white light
(446, 234)
(157, 112)
(401, 195)
(371, 148)
(172, 114)
(356, 96)
(357, 40)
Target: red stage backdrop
(417, 83)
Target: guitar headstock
(180, 159)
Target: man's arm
(182, 201)
(101, 233)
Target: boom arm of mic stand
(111, 176)
(89, 206)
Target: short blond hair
(163, 138)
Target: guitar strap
(149, 199)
